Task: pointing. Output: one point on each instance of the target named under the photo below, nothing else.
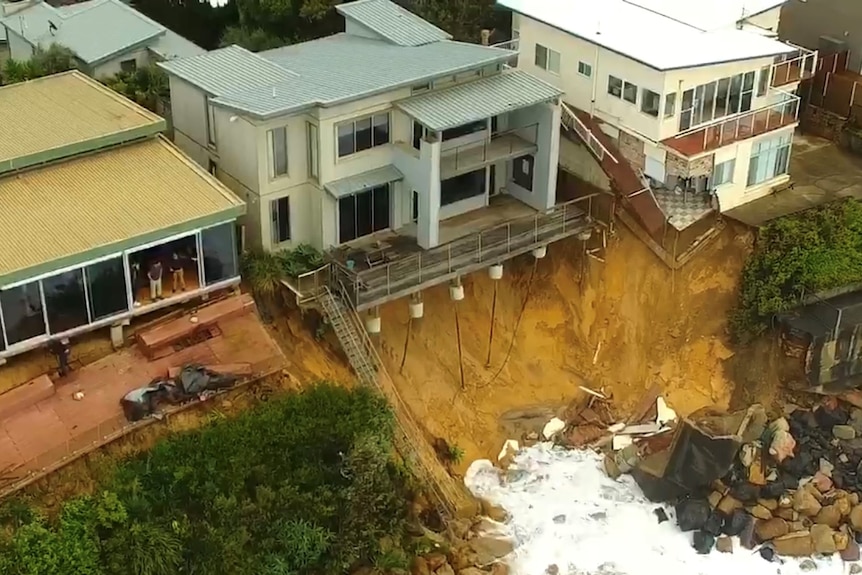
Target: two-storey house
(696, 100)
(389, 133)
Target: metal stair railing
(346, 334)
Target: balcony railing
(514, 46)
(480, 249)
(792, 68)
(739, 127)
(503, 145)
(571, 121)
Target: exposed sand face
(649, 324)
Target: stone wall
(822, 123)
(683, 168)
(632, 149)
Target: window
(415, 206)
(650, 102)
(363, 213)
(462, 187)
(615, 86)
(218, 245)
(418, 132)
(630, 93)
(363, 134)
(547, 59)
(65, 301)
(22, 313)
(212, 168)
(128, 66)
(670, 105)
(763, 81)
(418, 89)
(280, 212)
(522, 172)
(106, 288)
(723, 173)
(313, 145)
(211, 126)
(585, 69)
(715, 100)
(769, 159)
(464, 130)
(278, 151)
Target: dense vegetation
(44, 62)
(264, 270)
(816, 250)
(304, 484)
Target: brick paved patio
(49, 431)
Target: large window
(313, 152)
(363, 134)
(715, 100)
(650, 102)
(462, 187)
(218, 245)
(22, 313)
(65, 301)
(363, 213)
(278, 151)
(106, 287)
(211, 127)
(763, 81)
(280, 212)
(464, 130)
(769, 159)
(723, 173)
(547, 59)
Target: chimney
(485, 37)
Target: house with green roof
(387, 134)
(101, 217)
(107, 36)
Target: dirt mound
(621, 325)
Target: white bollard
(540, 252)
(373, 324)
(417, 309)
(495, 272)
(456, 292)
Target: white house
(390, 125)
(698, 98)
(107, 36)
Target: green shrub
(816, 250)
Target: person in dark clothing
(154, 274)
(62, 351)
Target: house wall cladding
(683, 168)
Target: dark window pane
(462, 187)
(346, 219)
(106, 284)
(415, 206)
(685, 120)
(363, 134)
(364, 214)
(522, 173)
(464, 130)
(65, 301)
(748, 81)
(746, 101)
(417, 135)
(687, 99)
(219, 252)
(345, 140)
(381, 207)
(280, 220)
(381, 129)
(22, 313)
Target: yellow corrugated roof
(97, 200)
(63, 110)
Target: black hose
(406, 341)
(460, 353)
(493, 315)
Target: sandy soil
(620, 326)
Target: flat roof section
(96, 205)
(58, 116)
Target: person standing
(178, 278)
(62, 351)
(155, 276)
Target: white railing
(500, 145)
(571, 121)
(512, 45)
(790, 68)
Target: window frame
(763, 81)
(212, 136)
(372, 119)
(775, 152)
(630, 88)
(585, 69)
(614, 90)
(645, 92)
(273, 164)
(276, 218)
(312, 137)
(670, 105)
(129, 66)
(546, 62)
(727, 173)
(387, 188)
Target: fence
(570, 120)
(833, 87)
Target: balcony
(793, 68)
(726, 131)
(499, 147)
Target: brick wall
(683, 168)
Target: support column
(428, 226)
(117, 339)
(553, 154)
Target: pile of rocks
(795, 491)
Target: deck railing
(405, 275)
(499, 145)
(795, 67)
(514, 46)
(571, 121)
(749, 124)
(308, 285)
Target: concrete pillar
(553, 154)
(117, 339)
(428, 228)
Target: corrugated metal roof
(324, 72)
(392, 22)
(364, 181)
(56, 111)
(97, 200)
(171, 45)
(93, 30)
(477, 100)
